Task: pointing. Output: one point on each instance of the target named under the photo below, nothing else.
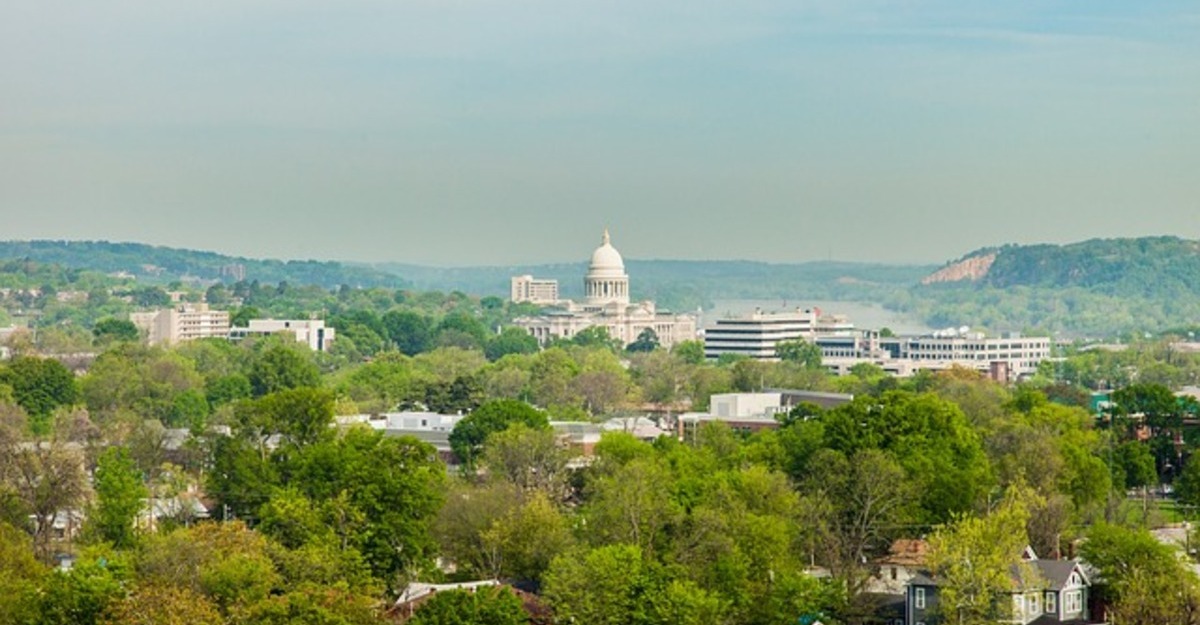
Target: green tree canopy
(470, 433)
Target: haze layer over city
(463, 312)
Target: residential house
(1045, 592)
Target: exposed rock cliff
(973, 268)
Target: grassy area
(1171, 511)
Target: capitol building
(606, 304)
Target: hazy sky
(493, 132)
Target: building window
(919, 598)
(1051, 603)
(1034, 603)
(1019, 605)
(1073, 602)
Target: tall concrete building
(528, 289)
(607, 304)
(184, 322)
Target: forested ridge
(1097, 288)
(161, 265)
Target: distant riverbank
(863, 316)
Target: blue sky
(483, 132)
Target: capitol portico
(606, 304)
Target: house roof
(1054, 574)
(417, 590)
(1058, 572)
(906, 552)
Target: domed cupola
(606, 280)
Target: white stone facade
(311, 332)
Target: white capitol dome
(606, 261)
(606, 282)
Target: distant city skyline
(485, 133)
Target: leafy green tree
(930, 437)
(143, 380)
(227, 388)
(83, 595)
(39, 385)
(972, 559)
(800, 352)
(647, 341)
(510, 341)
(189, 408)
(470, 511)
(45, 479)
(242, 316)
(530, 459)
(21, 575)
(120, 492)
(1144, 581)
(280, 367)
(241, 479)
(301, 416)
(868, 496)
(631, 507)
(522, 543)
(163, 605)
(411, 332)
(596, 336)
(151, 297)
(484, 606)
(1187, 487)
(335, 605)
(690, 352)
(111, 329)
(462, 330)
(682, 602)
(226, 562)
(394, 485)
(609, 585)
(470, 433)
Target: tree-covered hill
(1151, 266)
(157, 264)
(1096, 287)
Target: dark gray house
(1052, 592)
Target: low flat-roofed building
(311, 332)
(751, 412)
(1004, 358)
